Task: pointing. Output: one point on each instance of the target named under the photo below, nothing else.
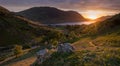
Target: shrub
(18, 50)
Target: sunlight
(91, 14)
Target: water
(74, 23)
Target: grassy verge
(22, 57)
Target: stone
(65, 47)
(42, 55)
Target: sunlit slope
(100, 48)
(106, 33)
(107, 26)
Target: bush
(18, 50)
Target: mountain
(100, 19)
(51, 15)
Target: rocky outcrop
(43, 54)
(65, 47)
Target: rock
(42, 55)
(65, 47)
(42, 52)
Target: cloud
(64, 4)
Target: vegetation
(26, 55)
(23, 30)
(15, 29)
(98, 45)
(18, 50)
(104, 57)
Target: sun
(91, 14)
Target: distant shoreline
(72, 23)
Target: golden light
(93, 14)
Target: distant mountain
(100, 19)
(50, 15)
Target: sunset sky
(88, 8)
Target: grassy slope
(15, 31)
(107, 40)
(26, 59)
(99, 54)
(101, 49)
(12, 29)
(106, 57)
(18, 30)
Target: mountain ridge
(48, 15)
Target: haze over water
(75, 23)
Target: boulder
(65, 47)
(42, 55)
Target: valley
(23, 34)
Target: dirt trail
(87, 46)
(10, 58)
(92, 44)
(25, 62)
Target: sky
(85, 7)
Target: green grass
(104, 57)
(111, 39)
(108, 53)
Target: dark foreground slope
(18, 30)
(12, 29)
(50, 15)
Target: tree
(18, 50)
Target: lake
(74, 23)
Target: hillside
(12, 29)
(18, 30)
(107, 25)
(50, 15)
(99, 48)
(102, 18)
